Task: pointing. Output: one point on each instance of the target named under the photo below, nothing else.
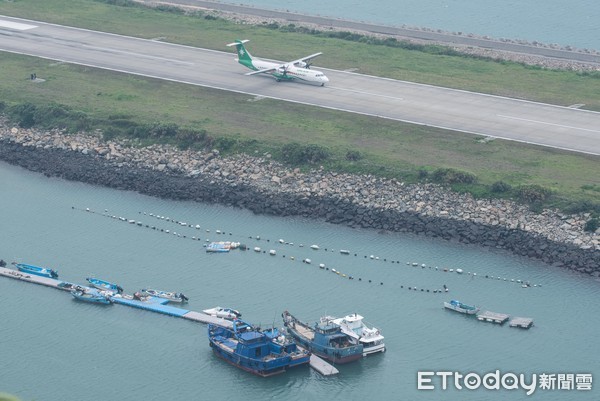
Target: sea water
(574, 23)
(55, 348)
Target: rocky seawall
(266, 187)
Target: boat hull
(37, 271)
(91, 298)
(253, 350)
(245, 363)
(458, 309)
(171, 296)
(104, 285)
(320, 345)
(328, 353)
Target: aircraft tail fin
(243, 55)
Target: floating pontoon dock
(322, 367)
(492, 317)
(154, 304)
(522, 322)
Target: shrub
(23, 114)
(533, 193)
(295, 153)
(452, 176)
(156, 130)
(423, 174)
(353, 155)
(500, 187)
(582, 207)
(224, 143)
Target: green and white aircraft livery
(294, 70)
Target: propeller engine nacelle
(283, 69)
(302, 64)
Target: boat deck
(522, 322)
(492, 317)
(305, 331)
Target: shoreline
(269, 188)
(550, 56)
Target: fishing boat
(225, 313)
(36, 270)
(92, 295)
(461, 307)
(250, 349)
(171, 296)
(324, 339)
(104, 285)
(353, 325)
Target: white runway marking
(16, 25)
(365, 93)
(543, 122)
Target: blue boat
(105, 285)
(38, 271)
(91, 295)
(250, 349)
(324, 339)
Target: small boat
(222, 246)
(460, 307)
(315, 247)
(105, 285)
(92, 295)
(171, 296)
(254, 351)
(459, 271)
(36, 270)
(324, 339)
(353, 325)
(344, 252)
(225, 313)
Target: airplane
(294, 70)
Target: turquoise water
(55, 348)
(574, 23)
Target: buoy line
(273, 252)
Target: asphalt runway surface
(500, 117)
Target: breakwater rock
(266, 187)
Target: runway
(536, 123)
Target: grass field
(388, 148)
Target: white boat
(353, 326)
(315, 247)
(460, 307)
(171, 296)
(225, 313)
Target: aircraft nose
(325, 79)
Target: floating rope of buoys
(282, 242)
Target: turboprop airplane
(297, 69)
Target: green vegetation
(82, 98)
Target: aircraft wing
(305, 59)
(261, 71)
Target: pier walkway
(153, 304)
